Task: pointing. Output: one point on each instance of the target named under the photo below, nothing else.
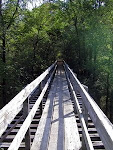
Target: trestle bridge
(54, 112)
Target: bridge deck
(58, 127)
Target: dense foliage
(79, 31)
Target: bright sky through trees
(36, 3)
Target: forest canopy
(78, 31)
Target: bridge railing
(103, 125)
(8, 112)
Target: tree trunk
(107, 95)
(4, 73)
(3, 39)
(111, 109)
(4, 48)
(78, 41)
(111, 97)
(94, 65)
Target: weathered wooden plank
(57, 135)
(41, 138)
(7, 144)
(19, 125)
(72, 138)
(21, 133)
(11, 137)
(71, 135)
(93, 135)
(10, 130)
(101, 122)
(90, 130)
(97, 143)
(14, 131)
(8, 112)
(54, 131)
(40, 141)
(86, 141)
(56, 141)
(61, 138)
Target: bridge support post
(25, 114)
(84, 109)
(85, 115)
(40, 89)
